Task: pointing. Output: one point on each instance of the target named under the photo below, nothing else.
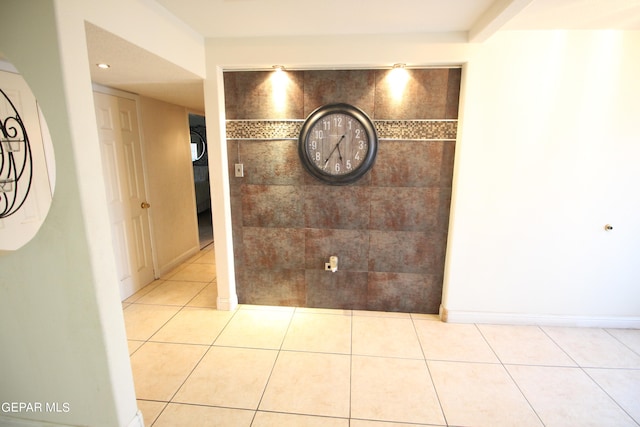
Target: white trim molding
(227, 304)
(459, 316)
(137, 421)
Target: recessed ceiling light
(103, 65)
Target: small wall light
(103, 65)
(279, 82)
(397, 79)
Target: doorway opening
(199, 158)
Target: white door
(126, 196)
(26, 180)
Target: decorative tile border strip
(417, 130)
(413, 130)
(264, 129)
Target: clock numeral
(337, 121)
(361, 146)
(349, 164)
(317, 156)
(326, 124)
(319, 134)
(314, 145)
(337, 167)
(357, 133)
(357, 156)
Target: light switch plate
(239, 170)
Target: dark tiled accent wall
(389, 229)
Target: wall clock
(338, 144)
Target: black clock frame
(372, 138)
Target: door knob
(145, 205)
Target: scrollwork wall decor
(16, 162)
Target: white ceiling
(135, 70)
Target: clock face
(338, 144)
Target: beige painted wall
(165, 129)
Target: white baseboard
(227, 304)
(458, 316)
(163, 270)
(137, 421)
(20, 422)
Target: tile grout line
(584, 370)
(279, 350)
(620, 341)
(513, 380)
(162, 326)
(350, 369)
(426, 364)
(210, 347)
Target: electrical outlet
(327, 266)
(239, 170)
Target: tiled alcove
(389, 229)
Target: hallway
(284, 366)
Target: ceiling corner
(494, 18)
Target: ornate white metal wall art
(16, 163)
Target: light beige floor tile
(368, 423)
(266, 308)
(173, 271)
(567, 397)
(593, 348)
(230, 377)
(208, 297)
(623, 385)
(525, 345)
(274, 419)
(134, 345)
(142, 321)
(142, 292)
(256, 329)
(192, 258)
(453, 342)
(309, 383)
(193, 325)
(336, 311)
(629, 337)
(206, 257)
(385, 336)
(396, 390)
(368, 313)
(150, 410)
(172, 293)
(326, 333)
(159, 368)
(194, 272)
(480, 394)
(422, 316)
(203, 416)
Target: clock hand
(334, 149)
